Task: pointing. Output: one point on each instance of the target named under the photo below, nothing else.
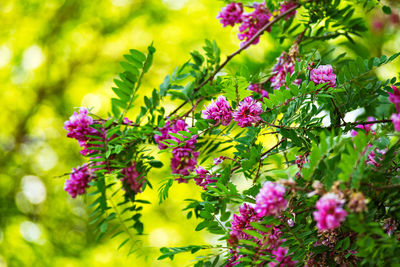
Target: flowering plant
(325, 193)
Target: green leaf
(387, 10)
(156, 163)
(137, 55)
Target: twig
(337, 110)
(193, 107)
(262, 157)
(237, 52)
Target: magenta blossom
(270, 200)
(173, 126)
(132, 178)
(184, 159)
(286, 6)
(231, 14)
(242, 222)
(248, 112)
(78, 181)
(375, 156)
(330, 212)
(323, 74)
(204, 178)
(366, 127)
(256, 87)
(78, 125)
(395, 98)
(218, 160)
(253, 22)
(284, 66)
(396, 121)
(281, 258)
(220, 111)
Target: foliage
(325, 192)
(356, 219)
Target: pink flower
(231, 14)
(248, 112)
(270, 200)
(127, 121)
(78, 125)
(218, 160)
(284, 66)
(375, 157)
(281, 258)
(256, 87)
(253, 22)
(241, 222)
(396, 121)
(323, 74)
(220, 111)
(173, 126)
(395, 98)
(183, 162)
(330, 212)
(78, 181)
(204, 178)
(184, 158)
(132, 178)
(286, 6)
(366, 127)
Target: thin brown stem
(237, 52)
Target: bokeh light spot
(33, 189)
(33, 57)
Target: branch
(329, 128)
(263, 154)
(237, 52)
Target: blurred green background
(58, 55)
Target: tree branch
(237, 52)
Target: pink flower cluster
(173, 126)
(286, 6)
(271, 240)
(323, 74)
(376, 156)
(256, 87)
(284, 66)
(132, 179)
(78, 125)
(78, 181)
(204, 178)
(396, 121)
(251, 22)
(219, 110)
(248, 112)
(366, 127)
(242, 222)
(281, 258)
(231, 14)
(330, 212)
(270, 201)
(395, 99)
(184, 157)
